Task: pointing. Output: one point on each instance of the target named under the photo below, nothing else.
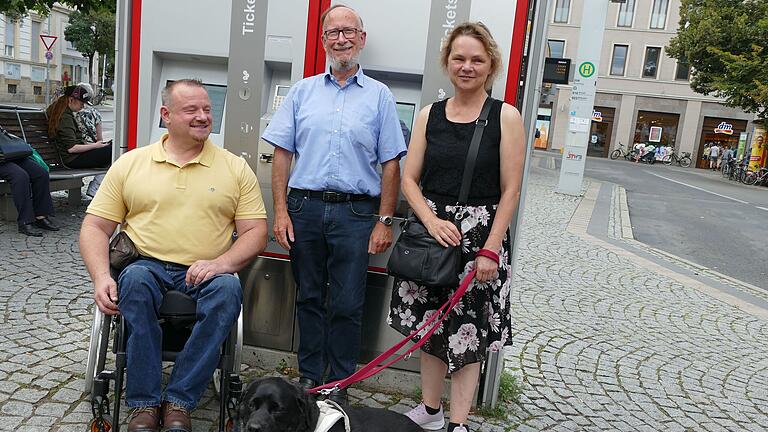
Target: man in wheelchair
(180, 200)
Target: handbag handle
(474, 147)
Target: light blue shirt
(338, 135)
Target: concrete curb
(578, 226)
(626, 223)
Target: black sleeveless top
(446, 154)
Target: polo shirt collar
(205, 157)
(358, 77)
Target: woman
(89, 119)
(75, 152)
(30, 188)
(440, 139)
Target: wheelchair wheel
(105, 425)
(97, 347)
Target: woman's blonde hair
(480, 32)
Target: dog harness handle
(383, 360)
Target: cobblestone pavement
(601, 344)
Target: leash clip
(326, 392)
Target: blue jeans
(329, 260)
(141, 288)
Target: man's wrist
(385, 220)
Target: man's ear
(165, 114)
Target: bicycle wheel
(751, 178)
(667, 160)
(684, 161)
(615, 154)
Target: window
(12, 88)
(37, 90)
(626, 13)
(562, 10)
(651, 63)
(619, 59)
(37, 74)
(36, 42)
(556, 48)
(659, 14)
(10, 37)
(683, 71)
(13, 71)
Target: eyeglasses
(349, 33)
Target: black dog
(277, 405)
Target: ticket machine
(249, 52)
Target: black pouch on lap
(122, 252)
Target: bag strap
(474, 146)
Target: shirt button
(335, 131)
(337, 110)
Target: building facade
(643, 95)
(23, 67)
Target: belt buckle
(334, 197)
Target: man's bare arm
(94, 248)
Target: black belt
(330, 196)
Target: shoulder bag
(122, 252)
(416, 255)
(12, 147)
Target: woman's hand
(486, 269)
(445, 232)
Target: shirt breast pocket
(364, 130)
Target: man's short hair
(165, 95)
(339, 5)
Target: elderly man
(180, 200)
(338, 126)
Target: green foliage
(724, 42)
(510, 390)
(19, 8)
(91, 32)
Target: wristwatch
(386, 220)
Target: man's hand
(201, 271)
(105, 294)
(381, 239)
(283, 229)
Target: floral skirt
(481, 321)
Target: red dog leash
(383, 360)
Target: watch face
(386, 220)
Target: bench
(32, 125)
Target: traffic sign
(48, 55)
(587, 69)
(48, 41)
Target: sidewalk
(608, 337)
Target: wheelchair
(177, 317)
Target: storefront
(721, 132)
(656, 128)
(600, 134)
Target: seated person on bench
(31, 191)
(75, 152)
(179, 200)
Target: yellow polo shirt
(179, 214)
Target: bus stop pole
(490, 378)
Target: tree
(19, 8)
(724, 42)
(90, 33)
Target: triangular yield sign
(48, 41)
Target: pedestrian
(714, 153)
(31, 192)
(65, 79)
(181, 200)
(338, 126)
(482, 320)
(73, 148)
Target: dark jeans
(96, 158)
(30, 188)
(141, 288)
(329, 260)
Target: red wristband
(489, 254)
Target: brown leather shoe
(146, 419)
(176, 418)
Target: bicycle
(628, 155)
(683, 161)
(756, 177)
(99, 97)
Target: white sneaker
(427, 421)
(461, 428)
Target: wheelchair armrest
(176, 303)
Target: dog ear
(308, 410)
